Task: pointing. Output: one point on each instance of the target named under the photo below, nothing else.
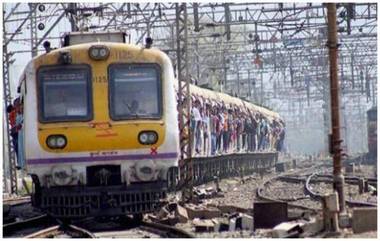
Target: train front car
(97, 117)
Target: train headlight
(146, 170)
(99, 52)
(56, 141)
(62, 175)
(148, 137)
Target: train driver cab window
(64, 93)
(135, 91)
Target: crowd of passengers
(218, 128)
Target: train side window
(135, 91)
(372, 115)
(64, 93)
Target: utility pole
(227, 15)
(262, 87)
(7, 101)
(238, 82)
(197, 60)
(334, 92)
(72, 9)
(33, 29)
(373, 85)
(224, 75)
(185, 163)
(249, 85)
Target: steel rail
(328, 179)
(71, 230)
(44, 233)
(11, 228)
(165, 231)
(16, 201)
(260, 194)
(318, 196)
(91, 230)
(260, 189)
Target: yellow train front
(99, 136)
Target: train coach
(98, 126)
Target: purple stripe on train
(101, 158)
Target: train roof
(230, 100)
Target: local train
(100, 126)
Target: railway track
(130, 228)
(62, 231)
(16, 201)
(11, 204)
(28, 226)
(260, 194)
(165, 231)
(308, 194)
(318, 196)
(46, 227)
(352, 179)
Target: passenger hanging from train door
(241, 128)
(248, 129)
(20, 132)
(243, 131)
(273, 139)
(197, 128)
(11, 110)
(216, 119)
(233, 138)
(206, 128)
(231, 130)
(213, 128)
(254, 125)
(280, 146)
(226, 136)
(261, 129)
(192, 124)
(242, 117)
(278, 131)
(267, 135)
(237, 129)
(201, 131)
(221, 128)
(210, 109)
(270, 135)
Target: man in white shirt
(197, 130)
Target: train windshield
(65, 93)
(135, 91)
